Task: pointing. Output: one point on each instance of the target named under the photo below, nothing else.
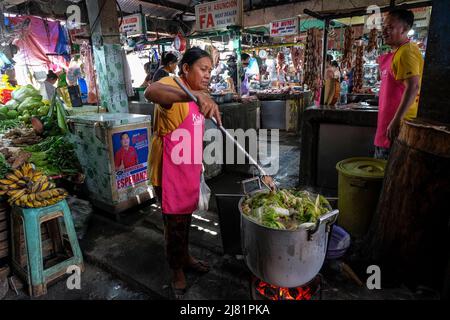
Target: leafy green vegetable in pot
(285, 209)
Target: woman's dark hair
(245, 56)
(334, 63)
(51, 75)
(329, 58)
(403, 15)
(191, 56)
(167, 58)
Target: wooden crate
(4, 230)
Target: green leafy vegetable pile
(54, 155)
(5, 125)
(285, 209)
(4, 166)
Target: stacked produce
(30, 188)
(22, 136)
(5, 89)
(285, 209)
(26, 102)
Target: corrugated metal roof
(131, 6)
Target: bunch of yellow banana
(29, 188)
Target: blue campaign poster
(130, 150)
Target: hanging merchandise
(373, 35)
(62, 46)
(74, 71)
(358, 77)
(88, 66)
(348, 45)
(36, 40)
(312, 60)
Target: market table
(85, 109)
(332, 134)
(283, 111)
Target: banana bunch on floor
(29, 188)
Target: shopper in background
(344, 90)
(329, 85)
(401, 75)
(47, 88)
(337, 82)
(168, 66)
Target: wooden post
(410, 228)
(409, 235)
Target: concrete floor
(125, 258)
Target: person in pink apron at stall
(401, 74)
(175, 174)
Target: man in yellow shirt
(401, 74)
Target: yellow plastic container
(359, 186)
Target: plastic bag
(205, 194)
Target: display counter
(140, 107)
(283, 111)
(85, 110)
(332, 134)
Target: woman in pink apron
(176, 156)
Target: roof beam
(171, 5)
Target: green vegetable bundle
(4, 166)
(285, 209)
(54, 155)
(24, 92)
(6, 125)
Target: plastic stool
(34, 274)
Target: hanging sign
(218, 14)
(179, 43)
(285, 27)
(132, 25)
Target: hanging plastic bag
(205, 194)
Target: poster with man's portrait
(130, 150)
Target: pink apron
(391, 92)
(182, 164)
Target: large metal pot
(285, 258)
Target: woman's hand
(269, 182)
(393, 129)
(207, 106)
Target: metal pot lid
(362, 167)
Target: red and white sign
(285, 27)
(132, 25)
(179, 43)
(218, 14)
